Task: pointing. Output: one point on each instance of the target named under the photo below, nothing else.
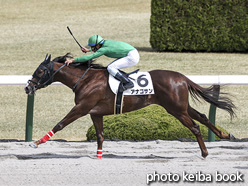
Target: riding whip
(75, 38)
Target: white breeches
(131, 59)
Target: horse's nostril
(26, 90)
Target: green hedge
(199, 25)
(150, 123)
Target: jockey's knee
(113, 71)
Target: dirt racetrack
(124, 163)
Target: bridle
(48, 74)
(47, 78)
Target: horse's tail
(209, 95)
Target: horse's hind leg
(194, 114)
(195, 129)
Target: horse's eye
(39, 72)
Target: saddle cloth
(142, 84)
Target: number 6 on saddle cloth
(142, 86)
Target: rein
(74, 87)
(55, 73)
(47, 71)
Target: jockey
(125, 54)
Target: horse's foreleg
(98, 123)
(74, 114)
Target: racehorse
(93, 96)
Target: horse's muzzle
(30, 89)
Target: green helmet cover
(95, 40)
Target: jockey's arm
(83, 59)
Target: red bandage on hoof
(99, 154)
(47, 137)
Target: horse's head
(42, 77)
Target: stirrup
(125, 86)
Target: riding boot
(125, 82)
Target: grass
(30, 29)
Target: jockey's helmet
(95, 40)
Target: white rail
(17, 80)
(220, 79)
(199, 79)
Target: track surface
(123, 163)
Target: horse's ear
(48, 58)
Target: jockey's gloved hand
(68, 61)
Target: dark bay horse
(93, 96)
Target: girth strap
(118, 102)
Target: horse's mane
(62, 59)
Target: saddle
(142, 86)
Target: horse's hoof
(33, 145)
(204, 155)
(231, 137)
